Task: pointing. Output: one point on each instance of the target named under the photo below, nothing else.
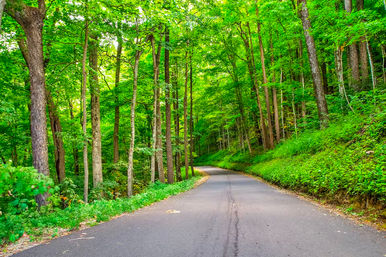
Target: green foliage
(345, 162)
(33, 223)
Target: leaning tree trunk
(191, 116)
(339, 73)
(132, 126)
(31, 20)
(84, 114)
(185, 117)
(95, 113)
(313, 59)
(265, 81)
(56, 129)
(169, 149)
(116, 114)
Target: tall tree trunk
(74, 148)
(157, 144)
(185, 115)
(177, 123)
(56, 129)
(132, 126)
(169, 149)
(95, 113)
(191, 148)
(304, 113)
(274, 95)
(265, 81)
(31, 20)
(84, 113)
(313, 59)
(252, 74)
(363, 52)
(116, 114)
(354, 61)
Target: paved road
(229, 215)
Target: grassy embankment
(343, 164)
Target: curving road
(229, 215)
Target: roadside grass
(343, 164)
(37, 224)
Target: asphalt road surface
(229, 215)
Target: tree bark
(339, 73)
(31, 20)
(185, 116)
(363, 52)
(274, 96)
(74, 148)
(354, 61)
(116, 114)
(95, 113)
(56, 129)
(191, 116)
(177, 123)
(252, 74)
(265, 81)
(304, 112)
(313, 59)
(157, 144)
(132, 126)
(169, 149)
(84, 113)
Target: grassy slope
(342, 164)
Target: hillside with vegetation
(106, 106)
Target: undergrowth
(35, 223)
(343, 163)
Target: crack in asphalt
(233, 216)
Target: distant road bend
(229, 215)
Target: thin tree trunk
(274, 96)
(95, 113)
(294, 113)
(157, 144)
(177, 123)
(56, 129)
(169, 149)
(281, 103)
(132, 126)
(191, 148)
(339, 73)
(116, 114)
(252, 74)
(74, 148)
(84, 120)
(373, 78)
(304, 113)
(31, 20)
(265, 81)
(185, 116)
(313, 59)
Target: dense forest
(103, 100)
